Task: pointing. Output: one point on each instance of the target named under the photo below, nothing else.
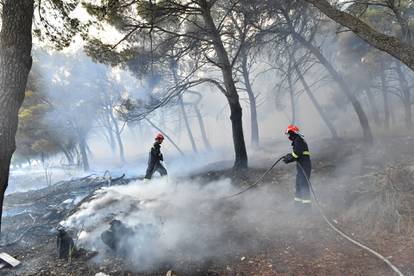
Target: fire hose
(256, 182)
(342, 234)
(322, 213)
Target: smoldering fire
(172, 219)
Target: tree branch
(392, 45)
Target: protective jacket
(300, 154)
(154, 161)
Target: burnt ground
(368, 192)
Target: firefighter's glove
(288, 158)
(161, 157)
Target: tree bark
(238, 137)
(406, 96)
(252, 101)
(362, 117)
(401, 50)
(241, 161)
(15, 65)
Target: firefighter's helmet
(159, 136)
(292, 129)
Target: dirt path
(318, 251)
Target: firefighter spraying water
(300, 154)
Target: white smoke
(174, 220)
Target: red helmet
(159, 136)
(292, 128)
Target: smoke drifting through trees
(243, 29)
(73, 97)
(225, 46)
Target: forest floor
(369, 193)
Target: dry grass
(384, 201)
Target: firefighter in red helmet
(300, 154)
(155, 158)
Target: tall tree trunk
(308, 91)
(78, 157)
(15, 65)
(68, 156)
(120, 143)
(182, 108)
(241, 161)
(374, 109)
(202, 127)
(187, 124)
(110, 138)
(83, 152)
(384, 91)
(252, 101)
(118, 138)
(406, 96)
(109, 132)
(362, 117)
(200, 118)
(291, 94)
(67, 153)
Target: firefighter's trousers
(153, 167)
(302, 186)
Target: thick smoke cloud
(180, 220)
